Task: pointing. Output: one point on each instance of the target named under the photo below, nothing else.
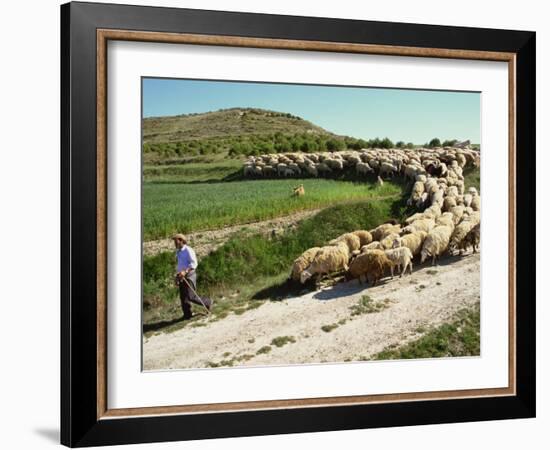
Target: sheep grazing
(412, 241)
(436, 243)
(364, 237)
(400, 257)
(298, 191)
(370, 266)
(327, 260)
(363, 168)
(416, 193)
(419, 225)
(459, 234)
(350, 239)
(388, 240)
(381, 231)
(302, 262)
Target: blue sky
(400, 114)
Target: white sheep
(329, 259)
(436, 243)
(400, 257)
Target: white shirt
(186, 258)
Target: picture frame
(86, 28)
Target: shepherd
(186, 277)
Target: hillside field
(175, 207)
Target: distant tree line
(278, 142)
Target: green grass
(328, 328)
(263, 350)
(367, 305)
(457, 338)
(192, 172)
(170, 208)
(283, 340)
(472, 178)
(246, 270)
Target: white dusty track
(412, 307)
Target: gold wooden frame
(103, 36)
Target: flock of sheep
(448, 219)
(385, 162)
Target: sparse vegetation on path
(407, 317)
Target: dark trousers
(187, 296)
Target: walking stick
(195, 292)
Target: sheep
(311, 170)
(388, 240)
(323, 168)
(416, 193)
(472, 239)
(363, 168)
(401, 256)
(281, 168)
(364, 236)
(370, 265)
(375, 245)
(460, 232)
(381, 231)
(413, 241)
(436, 243)
(446, 219)
(334, 164)
(419, 225)
(327, 260)
(448, 203)
(302, 262)
(416, 216)
(433, 212)
(352, 241)
(437, 198)
(458, 212)
(476, 202)
(387, 169)
(268, 170)
(467, 199)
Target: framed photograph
(273, 224)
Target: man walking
(186, 271)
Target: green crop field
(189, 207)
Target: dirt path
(431, 296)
(205, 242)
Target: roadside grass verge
(169, 208)
(457, 338)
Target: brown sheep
(364, 236)
(370, 266)
(472, 239)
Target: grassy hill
(224, 123)
(234, 132)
